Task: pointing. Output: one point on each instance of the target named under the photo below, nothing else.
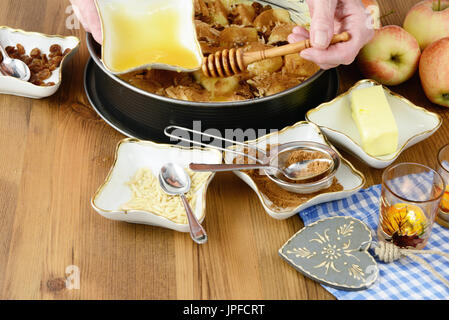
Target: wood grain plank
(57, 151)
(13, 137)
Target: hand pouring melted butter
(157, 34)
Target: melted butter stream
(154, 36)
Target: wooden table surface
(55, 153)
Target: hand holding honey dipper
(331, 17)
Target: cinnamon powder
(280, 197)
(283, 198)
(315, 169)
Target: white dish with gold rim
(168, 42)
(351, 179)
(31, 40)
(132, 155)
(334, 118)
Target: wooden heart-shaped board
(333, 251)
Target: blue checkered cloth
(402, 279)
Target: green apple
(428, 21)
(434, 72)
(391, 57)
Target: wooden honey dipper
(227, 63)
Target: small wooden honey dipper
(227, 63)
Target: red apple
(391, 57)
(374, 10)
(434, 72)
(428, 21)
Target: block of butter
(375, 121)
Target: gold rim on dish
(159, 146)
(146, 65)
(408, 102)
(34, 33)
(320, 133)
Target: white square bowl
(351, 179)
(335, 119)
(31, 40)
(132, 155)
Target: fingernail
(291, 38)
(296, 29)
(320, 39)
(305, 55)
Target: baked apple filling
(219, 26)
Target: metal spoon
(293, 172)
(14, 67)
(174, 180)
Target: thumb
(322, 25)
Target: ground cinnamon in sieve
(280, 197)
(313, 167)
